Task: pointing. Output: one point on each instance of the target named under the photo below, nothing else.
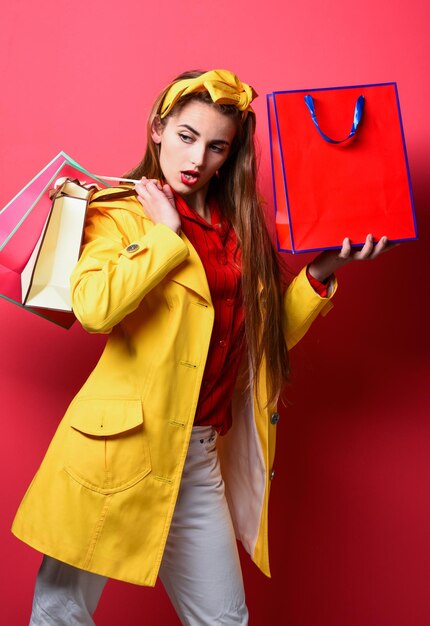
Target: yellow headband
(223, 86)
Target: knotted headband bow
(223, 86)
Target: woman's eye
(185, 138)
(217, 149)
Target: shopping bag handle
(358, 112)
(126, 193)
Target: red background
(350, 508)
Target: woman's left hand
(326, 263)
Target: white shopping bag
(45, 279)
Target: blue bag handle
(358, 112)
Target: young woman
(185, 279)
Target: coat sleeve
(115, 272)
(302, 305)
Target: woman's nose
(197, 156)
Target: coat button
(272, 474)
(132, 247)
(274, 418)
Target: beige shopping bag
(45, 279)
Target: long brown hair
(236, 190)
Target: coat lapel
(191, 273)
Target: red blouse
(215, 244)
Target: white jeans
(200, 569)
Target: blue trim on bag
(353, 245)
(406, 162)
(335, 88)
(290, 225)
(275, 202)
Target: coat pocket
(107, 449)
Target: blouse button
(220, 229)
(222, 343)
(229, 302)
(222, 258)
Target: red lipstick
(189, 177)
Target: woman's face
(194, 143)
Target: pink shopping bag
(24, 224)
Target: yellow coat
(105, 493)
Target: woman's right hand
(159, 203)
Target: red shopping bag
(339, 167)
(27, 233)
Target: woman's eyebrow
(193, 130)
